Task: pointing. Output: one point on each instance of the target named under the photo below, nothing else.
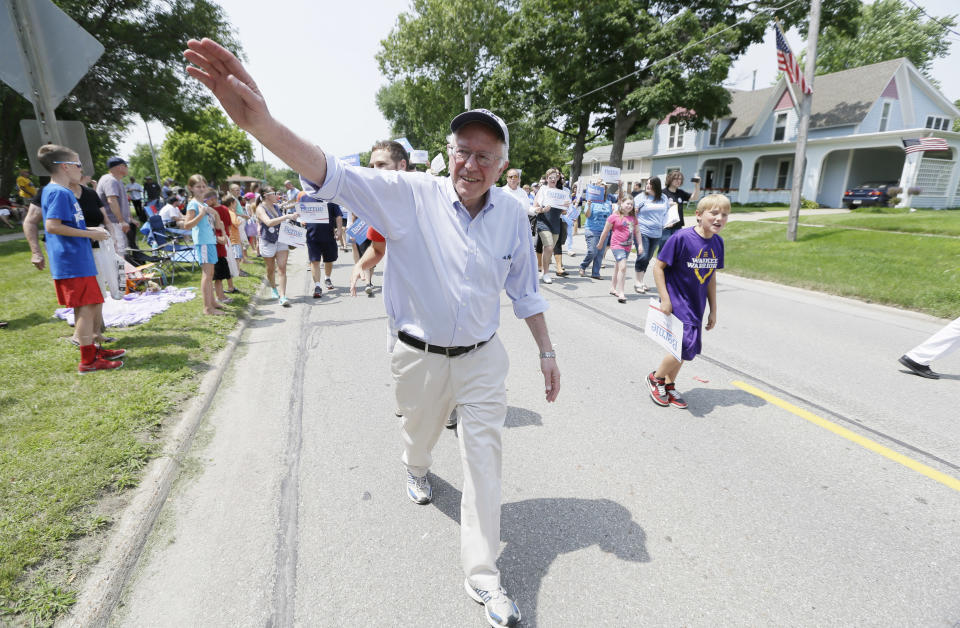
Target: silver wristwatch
(548, 354)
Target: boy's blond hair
(711, 201)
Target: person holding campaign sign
(686, 273)
(274, 253)
(550, 204)
(455, 244)
(652, 208)
(321, 241)
(672, 191)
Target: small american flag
(788, 63)
(924, 144)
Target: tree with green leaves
(141, 72)
(273, 175)
(884, 30)
(213, 146)
(434, 52)
(141, 163)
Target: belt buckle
(446, 351)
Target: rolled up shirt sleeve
(522, 283)
(385, 199)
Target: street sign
(65, 52)
(73, 135)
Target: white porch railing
(762, 195)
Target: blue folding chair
(167, 244)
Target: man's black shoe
(920, 369)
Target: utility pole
(800, 158)
(753, 87)
(153, 153)
(36, 65)
(466, 97)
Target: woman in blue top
(596, 213)
(652, 208)
(201, 220)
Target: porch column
(908, 177)
(744, 194)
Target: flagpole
(800, 158)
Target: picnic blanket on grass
(135, 308)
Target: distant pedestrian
(622, 228)
(681, 197)
(274, 253)
(686, 273)
(937, 346)
(596, 213)
(113, 193)
(652, 208)
(135, 194)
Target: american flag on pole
(924, 144)
(788, 63)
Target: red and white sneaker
(110, 354)
(675, 399)
(658, 390)
(98, 365)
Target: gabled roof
(841, 98)
(631, 150)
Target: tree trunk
(579, 145)
(622, 123)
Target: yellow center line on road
(864, 442)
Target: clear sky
(316, 65)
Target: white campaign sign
(556, 198)
(666, 331)
(313, 212)
(419, 156)
(438, 164)
(292, 234)
(609, 174)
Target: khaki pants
(429, 386)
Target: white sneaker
(499, 609)
(546, 279)
(419, 489)
(640, 288)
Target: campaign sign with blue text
(557, 198)
(313, 212)
(595, 193)
(292, 234)
(358, 231)
(402, 141)
(353, 160)
(419, 157)
(665, 330)
(610, 174)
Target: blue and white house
(859, 118)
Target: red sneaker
(658, 390)
(110, 354)
(98, 365)
(675, 399)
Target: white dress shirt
(446, 271)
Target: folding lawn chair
(167, 245)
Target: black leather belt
(450, 352)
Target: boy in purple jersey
(686, 273)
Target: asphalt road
(835, 502)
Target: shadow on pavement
(521, 417)
(538, 531)
(703, 401)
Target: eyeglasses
(72, 163)
(462, 155)
(513, 176)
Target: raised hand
(223, 74)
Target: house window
(783, 174)
(938, 123)
(780, 131)
(675, 139)
(629, 164)
(596, 167)
(884, 117)
(714, 133)
(756, 175)
(727, 176)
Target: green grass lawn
(923, 221)
(68, 441)
(903, 270)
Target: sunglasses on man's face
(71, 163)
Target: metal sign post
(800, 159)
